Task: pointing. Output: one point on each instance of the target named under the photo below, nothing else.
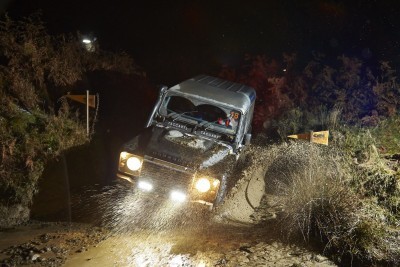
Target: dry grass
(316, 190)
(299, 120)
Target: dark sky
(173, 40)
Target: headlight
(206, 184)
(134, 163)
(203, 185)
(129, 163)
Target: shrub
(387, 135)
(28, 139)
(374, 176)
(313, 185)
(362, 94)
(297, 120)
(35, 126)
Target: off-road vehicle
(192, 140)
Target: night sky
(173, 40)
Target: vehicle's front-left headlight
(129, 163)
(134, 163)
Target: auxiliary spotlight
(145, 186)
(178, 196)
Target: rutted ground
(137, 232)
(214, 245)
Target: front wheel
(221, 192)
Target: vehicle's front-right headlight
(129, 163)
(203, 185)
(206, 184)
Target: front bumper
(125, 177)
(171, 181)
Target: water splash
(140, 224)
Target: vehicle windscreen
(204, 116)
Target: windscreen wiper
(204, 124)
(175, 115)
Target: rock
(254, 257)
(82, 249)
(320, 258)
(35, 243)
(35, 257)
(295, 253)
(245, 249)
(274, 245)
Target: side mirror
(247, 139)
(163, 89)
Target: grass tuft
(327, 195)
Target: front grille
(165, 175)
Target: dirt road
(215, 244)
(131, 235)
(124, 228)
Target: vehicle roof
(222, 92)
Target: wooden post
(67, 187)
(87, 112)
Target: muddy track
(213, 244)
(125, 228)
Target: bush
(28, 140)
(348, 194)
(35, 125)
(374, 175)
(297, 120)
(387, 135)
(362, 94)
(313, 185)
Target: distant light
(89, 42)
(178, 196)
(284, 70)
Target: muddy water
(147, 232)
(144, 231)
(151, 248)
(214, 245)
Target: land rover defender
(192, 140)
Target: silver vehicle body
(183, 145)
(222, 93)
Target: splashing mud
(148, 230)
(125, 209)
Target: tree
(35, 123)
(287, 94)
